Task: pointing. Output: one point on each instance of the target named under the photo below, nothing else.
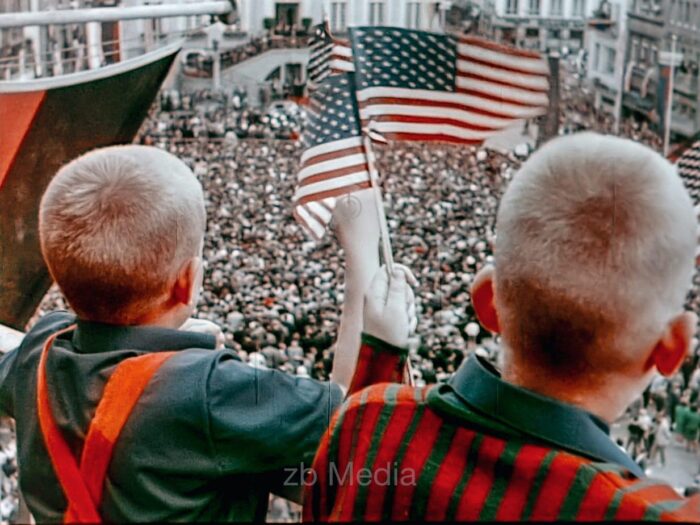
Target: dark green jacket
(207, 441)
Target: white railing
(59, 61)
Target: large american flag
(334, 162)
(416, 85)
(328, 56)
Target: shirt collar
(90, 337)
(565, 426)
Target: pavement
(681, 466)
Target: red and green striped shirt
(389, 455)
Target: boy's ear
(482, 292)
(186, 281)
(675, 344)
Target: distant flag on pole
(416, 85)
(328, 56)
(334, 162)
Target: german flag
(44, 123)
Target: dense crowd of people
(218, 116)
(9, 485)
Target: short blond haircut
(594, 252)
(116, 225)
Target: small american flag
(328, 56)
(334, 162)
(416, 85)
(688, 165)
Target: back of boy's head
(116, 226)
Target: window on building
(556, 8)
(532, 32)
(512, 7)
(610, 61)
(413, 15)
(376, 13)
(534, 7)
(579, 8)
(339, 12)
(634, 53)
(644, 53)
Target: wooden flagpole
(367, 132)
(387, 253)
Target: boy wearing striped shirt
(593, 259)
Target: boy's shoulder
(51, 322)
(391, 394)
(385, 397)
(48, 324)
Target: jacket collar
(90, 337)
(479, 386)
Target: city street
(681, 465)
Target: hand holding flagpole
(387, 253)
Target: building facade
(545, 25)
(683, 21)
(652, 24)
(417, 14)
(605, 39)
(646, 27)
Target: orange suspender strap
(83, 485)
(120, 395)
(61, 458)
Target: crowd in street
(9, 483)
(217, 116)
